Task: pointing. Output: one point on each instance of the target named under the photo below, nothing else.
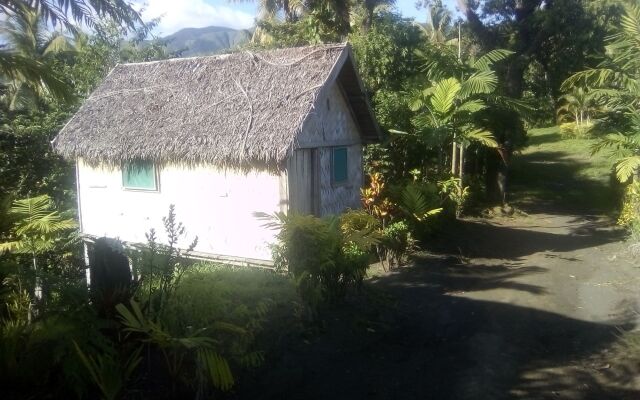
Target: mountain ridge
(207, 40)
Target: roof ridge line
(318, 48)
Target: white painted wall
(213, 204)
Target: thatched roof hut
(232, 110)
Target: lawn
(563, 174)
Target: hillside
(209, 40)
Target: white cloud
(178, 14)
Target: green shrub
(159, 267)
(325, 258)
(245, 297)
(630, 214)
(455, 192)
(575, 130)
(397, 242)
(38, 358)
(193, 359)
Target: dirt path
(528, 307)
(530, 310)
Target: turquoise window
(339, 170)
(139, 175)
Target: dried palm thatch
(231, 110)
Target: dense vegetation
(453, 96)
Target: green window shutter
(139, 175)
(339, 165)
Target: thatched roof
(231, 110)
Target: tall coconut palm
(69, 12)
(26, 37)
(65, 13)
(292, 10)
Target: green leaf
(486, 61)
(627, 167)
(444, 95)
(481, 82)
(472, 106)
(483, 137)
(217, 368)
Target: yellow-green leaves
(444, 95)
(37, 226)
(626, 167)
(485, 138)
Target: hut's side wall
(215, 205)
(332, 125)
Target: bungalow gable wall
(330, 125)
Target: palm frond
(627, 167)
(486, 61)
(482, 137)
(471, 106)
(444, 95)
(481, 82)
(592, 77)
(16, 66)
(415, 204)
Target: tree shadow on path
(412, 338)
(479, 239)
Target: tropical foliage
(453, 97)
(616, 81)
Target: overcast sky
(178, 14)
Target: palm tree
(439, 28)
(38, 228)
(269, 9)
(370, 8)
(617, 79)
(69, 12)
(458, 90)
(26, 37)
(445, 113)
(578, 107)
(65, 13)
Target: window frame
(156, 178)
(344, 182)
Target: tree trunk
(491, 175)
(454, 158)
(461, 167)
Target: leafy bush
(249, 298)
(456, 193)
(630, 215)
(38, 357)
(325, 258)
(196, 350)
(158, 267)
(574, 130)
(397, 242)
